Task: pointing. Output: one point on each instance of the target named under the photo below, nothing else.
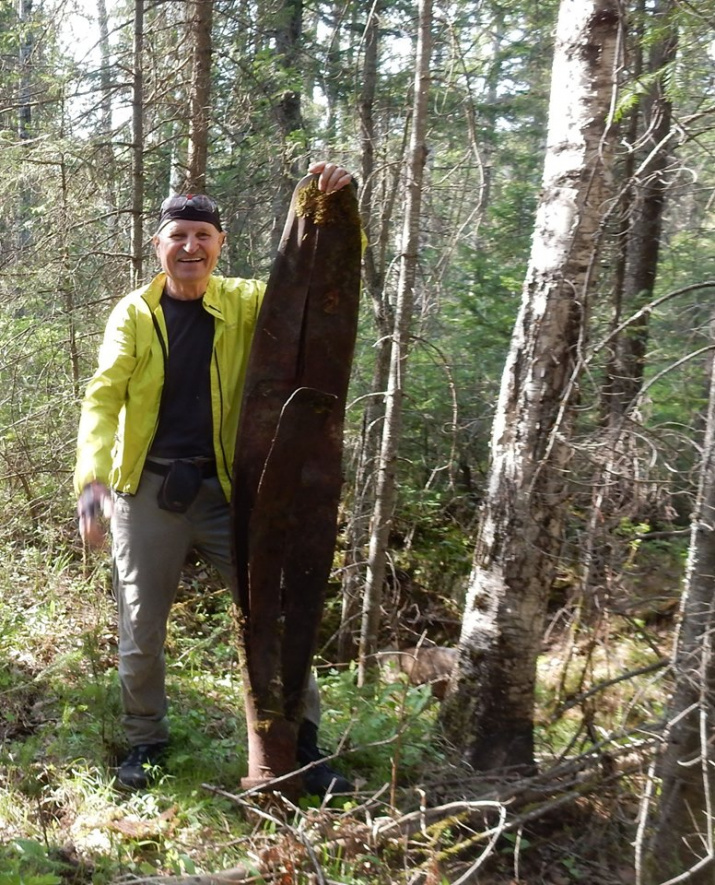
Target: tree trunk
(106, 150)
(386, 472)
(624, 209)
(645, 214)
(24, 122)
(618, 477)
(356, 532)
(288, 112)
(199, 99)
(105, 77)
(137, 233)
(490, 714)
(67, 285)
(683, 838)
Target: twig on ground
(511, 805)
(227, 877)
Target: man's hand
(332, 177)
(94, 503)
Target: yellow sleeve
(105, 397)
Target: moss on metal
(323, 209)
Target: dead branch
(608, 683)
(236, 874)
(489, 806)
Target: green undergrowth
(603, 674)
(62, 819)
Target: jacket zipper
(220, 426)
(165, 356)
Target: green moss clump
(323, 209)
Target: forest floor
(417, 816)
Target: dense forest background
(109, 107)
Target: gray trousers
(149, 547)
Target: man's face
(188, 250)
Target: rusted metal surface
(287, 471)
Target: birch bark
(490, 714)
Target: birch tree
(489, 716)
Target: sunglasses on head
(195, 201)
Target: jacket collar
(212, 299)
(152, 293)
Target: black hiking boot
(320, 779)
(135, 772)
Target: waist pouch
(182, 481)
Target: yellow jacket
(121, 405)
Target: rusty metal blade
(287, 470)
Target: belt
(205, 466)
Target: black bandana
(190, 207)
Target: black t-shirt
(185, 421)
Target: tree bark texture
(645, 207)
(199, 98)
(386, 471)
(288, 106)
(24, 119)
(106, 151)
(357, 529)
(137, 232)
(24, 123)
(490, 713)
(618, 489)
(683, 838)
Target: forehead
(181, 227)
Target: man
(155, 452)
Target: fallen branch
(608, 683)
(477, 808)
(227, 877)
